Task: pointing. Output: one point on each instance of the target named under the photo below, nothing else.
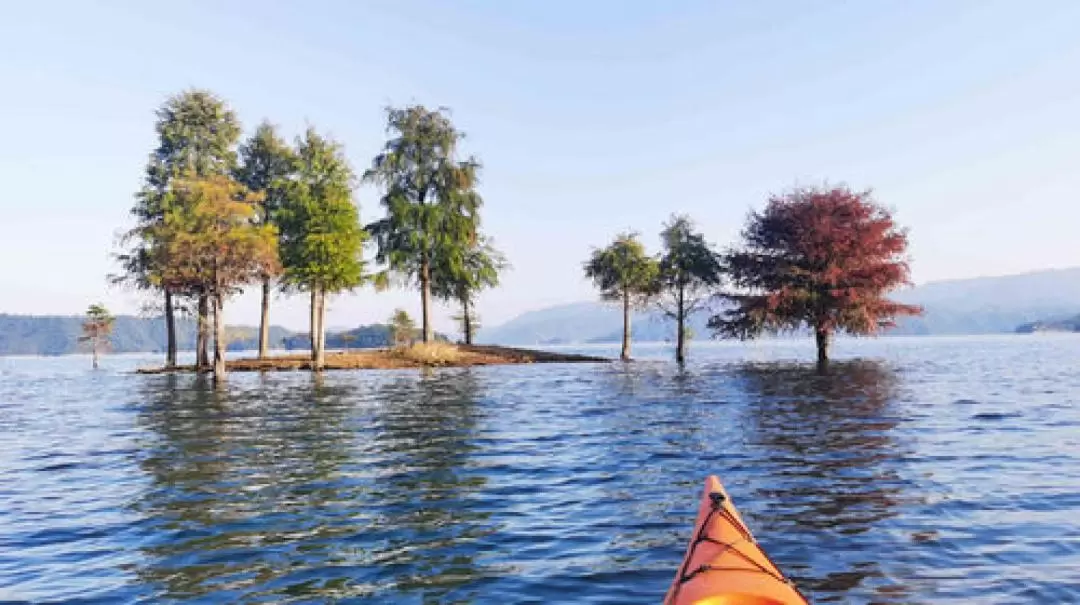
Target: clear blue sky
(590, 118)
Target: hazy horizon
(589, 119)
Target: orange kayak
(724, 564)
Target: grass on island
(419, 355)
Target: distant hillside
(363, 337)
(58, 335)
(585, 322)
(1068, 324)
(988, 305)
(984, 305)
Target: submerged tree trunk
(680, 338)
(625, 356)
(466, 320)
(264, 321)
(821, 335)
(94, 349)
(202, 338)
(170, 332)
(425, 297)
(219, 339)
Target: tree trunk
(202, 337)
(625, 356)
(314, 323)
(320, 359)
(680, 338)
(466, 318)
(170, 332)
(94, 348)
(821, 335)
(425, 297)
(264, 321)
(219, 339)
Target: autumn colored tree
(689, 273)
(208, 242)
(402, 328)
(197, 134)
(623, 272)
(821, 258)
(459, 278)
(321, 236)
(430, 199)
(96, 330)
(267, 164)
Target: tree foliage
(267, 166)
(430, 199)
(97, 329)
(822, 258)
(208, 243)
(460, 276)
(197, 134)
(402, 328)
(689, 272)
(624, 272)
(321, 236)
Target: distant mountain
(984, 305)
(1067, 324)
(989, 305)
(585, 322)
(363, 337)
(58, 335)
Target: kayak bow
(724, 564)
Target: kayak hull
(724, 565)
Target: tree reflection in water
(246, 488)
(426, 532)
(830, 465)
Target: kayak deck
(724, 564)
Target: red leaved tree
(821, 258)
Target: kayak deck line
(724, 565)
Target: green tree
(460, 277)
(689, 273)
(207, 241)
(623, 272)
(267, 164)
(97, 329)
(402, 328)
(197, 134)
(821, 258)
(430, 199)
(321, 236)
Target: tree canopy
(459, 277)
(430, 198)
(197, 134)
(267, 165)
(96, 329)
(321, 236)
(208, 243)
(689, 272)
(823, 258)
(623, 272)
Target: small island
(419, 355)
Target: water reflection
(830, 470)
(246, 488)
(427, 531)
(313, 486)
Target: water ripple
(948, 472)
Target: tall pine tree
(321, 236)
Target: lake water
(932, 470)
